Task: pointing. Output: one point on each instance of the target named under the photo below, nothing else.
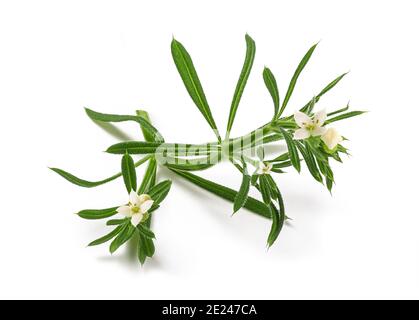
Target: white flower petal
(143, 198)
(331, 138)
(319, 131)
(301, 134)
(134, 199)
(319, 118)
(145, 206)
(136, 219)
(301, 119)
(125, 211)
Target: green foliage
(244, 75)
(186, 68)
(250, 149)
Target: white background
(114, 56)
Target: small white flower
(137, 207)
(331, 138)
(264, 168)
(309, 126)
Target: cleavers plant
(306, 134)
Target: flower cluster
(313, 127)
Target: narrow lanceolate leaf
(265, 189)
(272, 86)
(134, 147)
(94, 214)
(280, 165)
(148, 178)
(159, 192)
(145, 231)
(310, 162)
(331, 85)
(145, 248)
(326, 170)
(329, 184)
(294, 78)
(145, 125)
(251, 204)
(274, 190)
(190, 78)
(190, 167)
(90, 184)
(292, 150)
(283, 157)
(146, 147)
(84, 183)
(144, 114)
(278, 220)
(338, 111)
(107, 237)
(344, 116)
(241, 84)
(243, 194)
(125, 234)
(116, 222)
(193, 164)
(128, 172)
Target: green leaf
(90, 184)
(96, 214)
(292, 150)
(283, 157)
(148, 178)
(254, 179)
(294, 78)
(251, 204)
(272, 87)
(190, 78)
(145, 125)
(159, 192)
(313, 145)
(284, 164)
(134, 147)
(326, 170)
(272, 186)
(192, 164)
(278, 220)
(338, 111)
(329, 184)
(126, 233)
(310, 162)
(146, 147)
(107, 237)
(265, 189)
(145, 248)
(243, 194)
(83, 183)
(144, 114)
(241, 84)
(128, 172)
(331, 85)
(345, 116)
(116, 222)
(277, 170)
(145, 231)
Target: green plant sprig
(307, 140)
